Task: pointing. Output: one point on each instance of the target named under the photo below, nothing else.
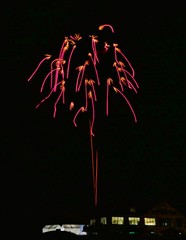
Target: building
(161, 220)
(77, 229)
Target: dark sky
(48, 161)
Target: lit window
(117, 220)
(150, 221)
(134, 220)
(103, 220)
(92, 222)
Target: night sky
(47, 160)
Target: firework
(120, 76)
